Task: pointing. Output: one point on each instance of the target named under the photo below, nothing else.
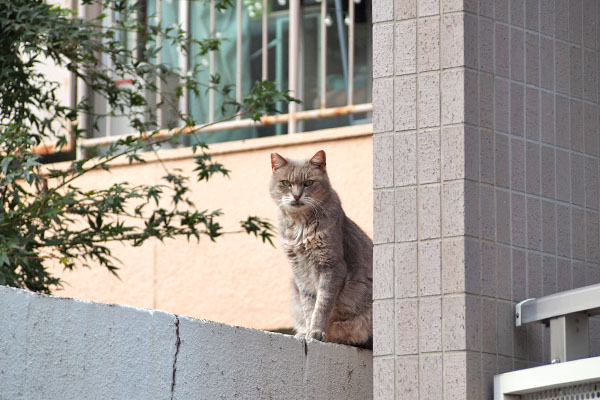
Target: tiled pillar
(486, 166)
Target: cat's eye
(308, 182)
(285, 182)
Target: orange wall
(237, 280)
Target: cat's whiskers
(316, 205)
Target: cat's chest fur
(302, 243)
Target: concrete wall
(59, 348)
(238, 279)
(486, 184)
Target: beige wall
(237, 280)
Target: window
(240, 61)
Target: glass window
(225, 65)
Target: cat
(330, 256)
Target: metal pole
(211, 68)
(569, 339)
(351, 52)
(294, 48)
(71, 139)
(109, 67)
(238, 71)
(184, 13)
(323, 54)
(340, 29)
(265, 41)
(159, 111)
(244, 123)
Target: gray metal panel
(587, 391)
(585, 299)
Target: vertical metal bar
(279, 23)
(324, 54)
(71, 139)
(294, 47)
(184, 17)
(238, 57)
(339, 21)
(265, 41)
(300, 75)
(569, 339)
(211, 67)
(351, 52)
(159, 109)
(109, 67)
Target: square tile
(517, 117)
(406, 270)
(429, 212)
(517, 54)
(430, 268)
(453, 96)
(404, 106)
(407, 379)
(563, 227)
(383, 378)
(429, 100)
(428, 53)
(383, 223)
(407, 333)
(406, 60)
(532, 113)
(501, 49)
(406, 214)
(430, 324)
(549, 226)
(430, 385)
(517, 164)
(405, 159)
(502, 161)
(429, 156)
(383, 271)
(383, 50)
(383, 161)
(532, 57)
(534, 224)
(383, 116)
(534, 275)
(383, 327)
(576, 119)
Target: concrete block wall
(486, 170)
(535, 67)
(59, 348)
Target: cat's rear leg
(297, 313)
(356, 331)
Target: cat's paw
(316, 334)
(300, 335)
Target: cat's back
(358, 248)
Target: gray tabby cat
(330, 256)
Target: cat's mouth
(296, 203)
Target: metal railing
(569, 380)
(294, 112)
(572, 373)
(567, 315)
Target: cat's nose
(297, 196)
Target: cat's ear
(277, 161)
(318, 160)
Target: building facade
(321, 51)
(485, 179)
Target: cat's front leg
(330, 284)
(308, 306)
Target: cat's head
(299, 186)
